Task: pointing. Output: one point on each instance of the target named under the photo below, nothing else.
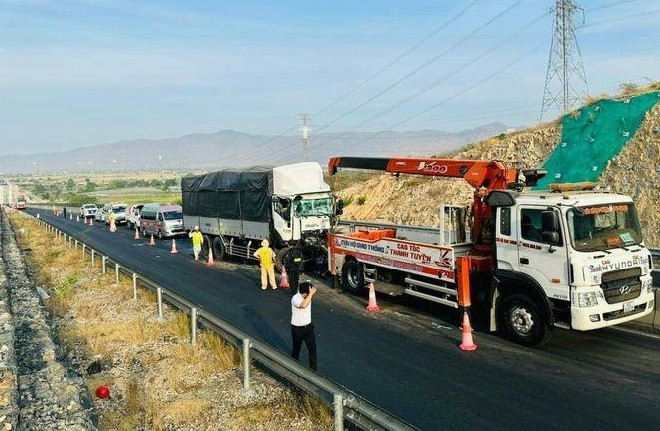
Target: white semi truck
(236, 209)
(569, 257)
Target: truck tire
(206, 243)
(218, 248)
(352, 277)
(520, 321)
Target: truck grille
(622, 285)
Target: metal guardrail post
(246, 363)
(159, 295)
(103, 259)
(193, 326)
(75, 244)
(93, 260)
(134, 286)
(116, 273)
(338, 407)
(83, 250)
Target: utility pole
(305, 134)
(565, 79)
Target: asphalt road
(405, 358)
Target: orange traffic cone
(91, 221)
(467, 344)
(372, 305)
(151, 241)
(173, 247)
(209, 262)
(284, 280)
(137, 234)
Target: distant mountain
(229, 148)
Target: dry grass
(106, 320)
(178, 325)
(226, 355)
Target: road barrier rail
(345, 404)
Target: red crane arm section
(478, 173)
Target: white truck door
(545, 263)
(282, 217)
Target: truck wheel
(218, 248)
(352, 277)
(205, 246)
(521, 322)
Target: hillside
(635, 171)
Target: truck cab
(578, 257)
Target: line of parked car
(161, 220)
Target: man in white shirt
(302, 328)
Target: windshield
(313, 207)
(89, 206)
(173, 215)
(604, 227)
(120, 209)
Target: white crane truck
(570, 257)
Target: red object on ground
(103, 391)
(467, 344)
(284, 282)
(372, 305)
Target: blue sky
(84, 72)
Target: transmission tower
(565, 79)
(305, 133)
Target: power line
(455, 72)
(426, 64)
(398, 58)
(456, 95)
(249, 153)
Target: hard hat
(196, 227)
(264, 243)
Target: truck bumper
(600, 316)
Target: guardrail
(346, 405)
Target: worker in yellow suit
(197, 240)
(111, 219)
(266, 257)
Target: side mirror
(550, 237)
(549, 221)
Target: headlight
(648, 284)
(587, 299)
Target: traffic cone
(209, 262)
(77, 218)
(70, 216)
(284, 280)
(137, 234)
(467, 344)
(372, 305)
(91, 221)
(173, 247)
(151, 241)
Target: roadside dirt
(157, 380)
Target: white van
(161, 220)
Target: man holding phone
(302, 328)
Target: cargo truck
(236, 209)
(568, 257)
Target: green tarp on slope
(592, 137)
